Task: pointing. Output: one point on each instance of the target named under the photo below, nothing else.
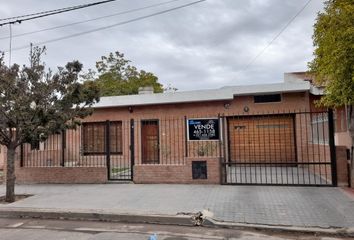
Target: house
(267, 134)
(2, 158)
(341, 114)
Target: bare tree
(35, 103)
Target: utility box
(199, 170)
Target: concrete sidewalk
(305, 207)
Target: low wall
(342, 166)
(2, 157)
(145, 173)
(30, 175)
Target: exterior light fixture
(227, 105)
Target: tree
(333, 62)
(35, 104)
(170, 88)
(117, 77)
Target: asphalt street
(36, 229)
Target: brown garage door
(262, 139)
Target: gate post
(63, 146)
(222, 149)
(332, 148)
(108, 149)
(132, 156)
(21, 155)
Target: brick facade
(2, 157)
(342, 166)
(177, 173)
(29, 175)
(176, 153)
(61, 175)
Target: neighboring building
(342, 134)
(256, 134)
(2, 158)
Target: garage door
(290, 149)
(263, 139)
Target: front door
(150, 141)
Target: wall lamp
(130, 109)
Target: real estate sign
(203, 129)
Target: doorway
(150, 142)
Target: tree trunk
(10, 175)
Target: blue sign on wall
(203, 129)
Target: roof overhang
(222, 94)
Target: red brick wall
(1, 163)
(28, 175)
(61, 175)
(174, 166)
(177, 173)
(351, 174)
(2, 157)
(342, 166)
(290, 102)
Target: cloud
(206, 45)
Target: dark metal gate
(102, 144)
(294, 148)
(120, 150)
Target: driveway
(247, 174)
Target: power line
(112, 25)
(38, 13)
(90, 20)
(32, 16)
(276, 36)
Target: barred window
(340, 120)
(319, 128)
(116, 137)
(94, 138)
(269, 98)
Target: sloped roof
(224, 93)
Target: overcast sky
(207, 45)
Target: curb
(344, 232)
(180, 220)
(88, 215)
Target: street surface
(36, 229)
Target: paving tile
(274, 205)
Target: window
(267, 98)
(319, 128)
(94, 138)
(35, 145)
(273, 126)
(340, 120)
(116, 137)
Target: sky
(206, 45)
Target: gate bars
(295, 148)
(93, 144)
